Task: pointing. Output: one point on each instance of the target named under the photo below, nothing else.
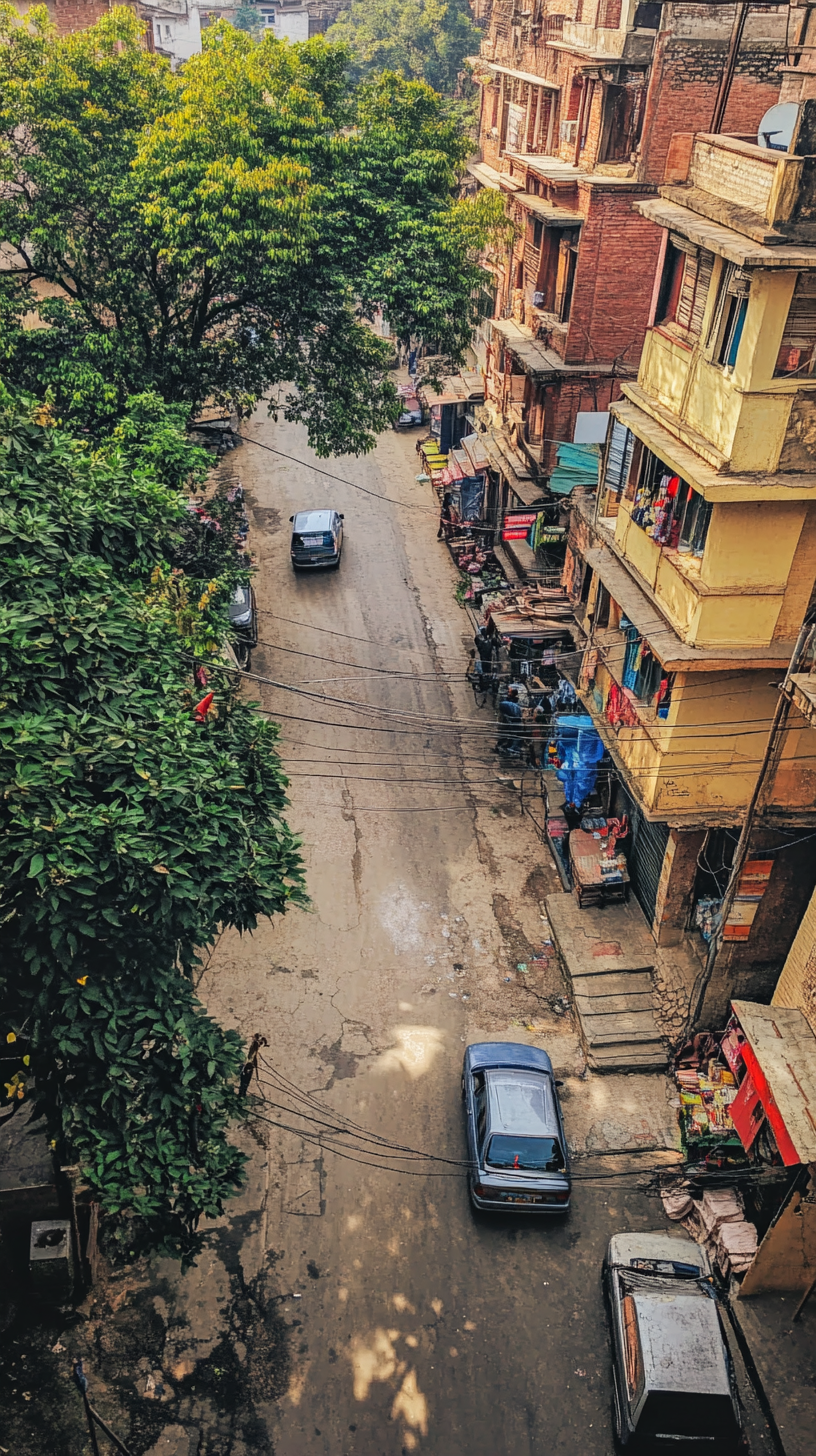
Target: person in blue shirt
(510, 717)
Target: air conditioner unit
(568, 130)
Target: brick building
(580, 100)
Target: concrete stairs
(609, 956)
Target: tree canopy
(426, 40)
(132, 833)
(225, 230)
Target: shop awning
(528, 76)
(779, 1053)
(485, 175)
(466, 387)
(550, 214)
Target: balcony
(764, 194)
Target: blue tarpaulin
(577, 465)
(580, 750)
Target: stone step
(614, 983)
(620, 1026)
(610, 1004)
(628, 1057)
(594, 966)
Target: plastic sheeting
(580, 750)
(577, 465)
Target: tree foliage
(425, 40)
(225, 229)
(131, 834)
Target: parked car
(673, 1379)
(515, 1132)
(243, 619)
(317, 538)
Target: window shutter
(800, 328)
(688, 287)
(621, 444)
(705, 265)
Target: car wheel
(620, 1428)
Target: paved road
(412, 1326)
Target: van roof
(313, 521)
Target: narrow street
(349, 1303)
(411, 1324)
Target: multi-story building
(580, 99)
(694, 567)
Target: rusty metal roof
(785, 1048)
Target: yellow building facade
(694, 567)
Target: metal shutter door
(645, 858)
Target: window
(797, 354)
(668, 509)
(694, 523)
(528, 1154)
(609, 14)
(538, 232)
(480, 1101)
(565, 282)
(623, 117)
(642, 671)
(685, 284)
(729, 315)
(515, 122)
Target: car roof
(623, 1248)
(313, 520)
(521, 1103)
(483, 1054)
(681, 1342)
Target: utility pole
(770, 759)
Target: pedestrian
(538, 739)
(446, 517)
(485, 646)
(510, 719)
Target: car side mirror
(342, 517)
(291, 518)
(559, 1084)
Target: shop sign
(517, 525)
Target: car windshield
(670, 1413)
(241, 597)
(528, 1154)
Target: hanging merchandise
(564, 696)
(580, 749)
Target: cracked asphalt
(344, 1309)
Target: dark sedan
(515, 1131)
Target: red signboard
(517, 525)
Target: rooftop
(785, 1048)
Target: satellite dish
(776, 127)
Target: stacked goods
(677, 1203)
(716, 1220)
(736, 1247)
(705, 1100)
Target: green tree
(223, 230)
(425, 40)
(131, 833)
